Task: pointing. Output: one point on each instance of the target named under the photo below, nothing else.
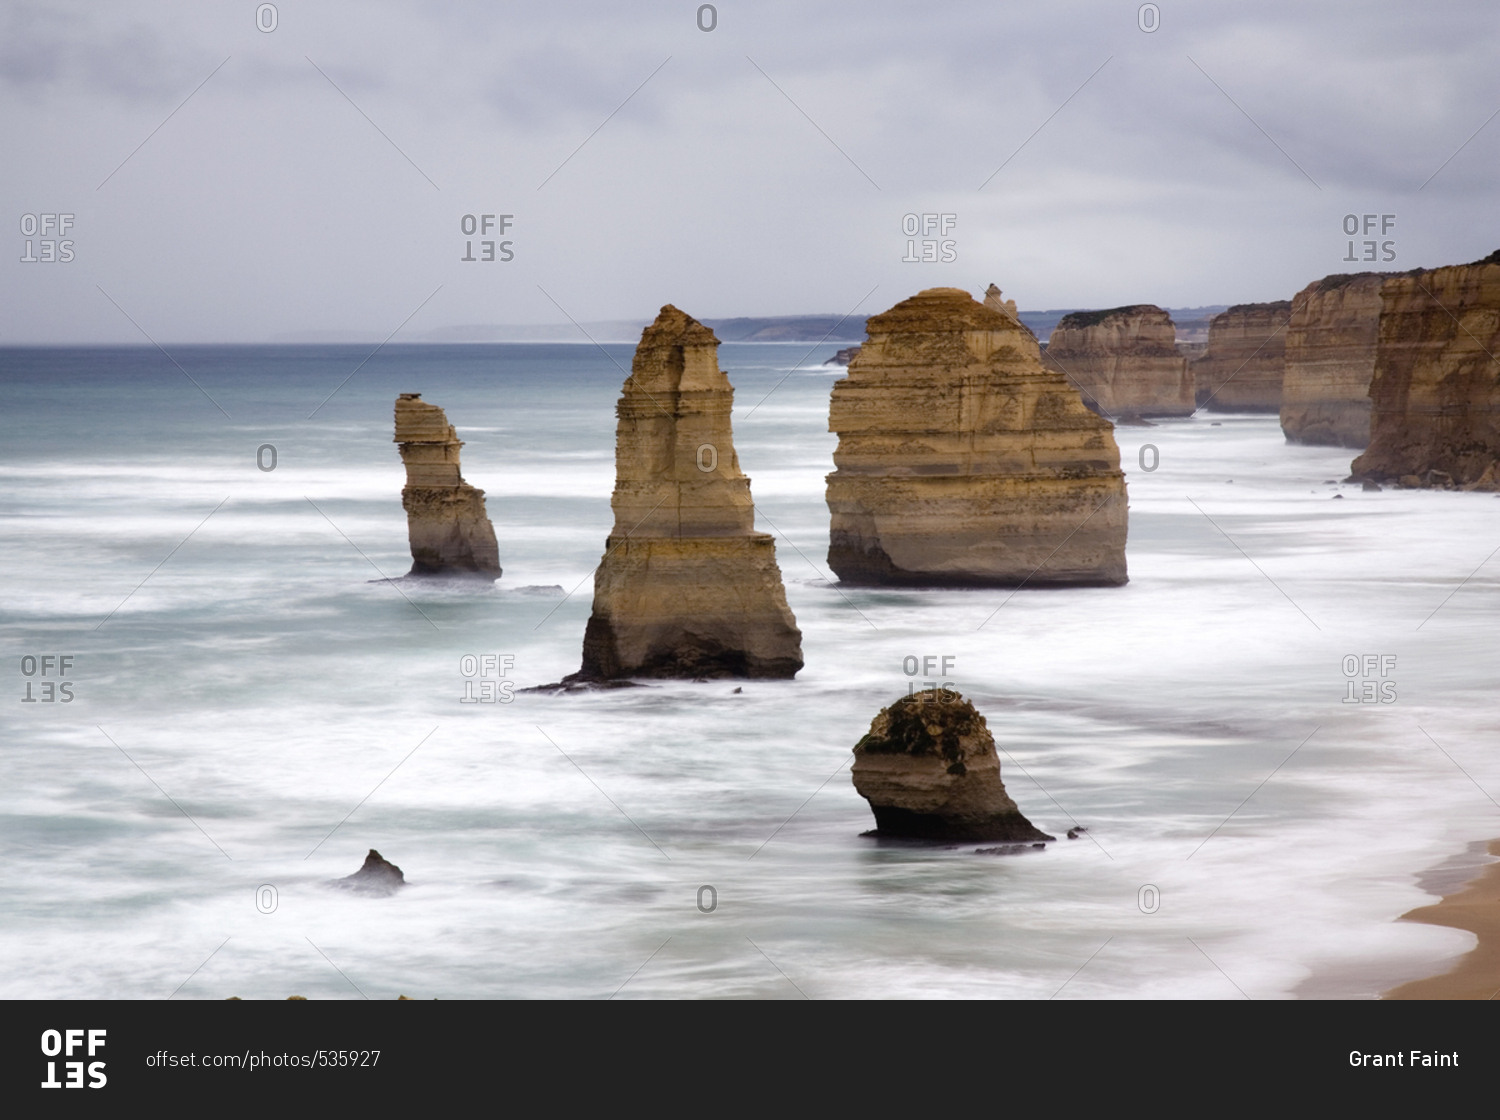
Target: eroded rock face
(1124, 361)
(964, 461)
(995, 299)
(687, 587)
(1241, 371)
(1435, 393)
(1330, 358)
(930, 771)
(445, 519)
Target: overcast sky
(233, 184)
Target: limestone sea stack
(1330, 358)
(687, 587)
(1241, 369)
(930, 771)
(963, 461)
(1124, 361)
(1435, 394)
(445, 519)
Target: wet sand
(1474, 906)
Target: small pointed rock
(376, 876)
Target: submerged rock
(445, 519)
(964, 461)
(1124, 361)
(376, 876)
(687, 587)
(930, 771)
(1435, 393)
(1242, 368)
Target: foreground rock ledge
(687, 588)
(963, 461)
(929, 770)
(445, 519)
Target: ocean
(1270, 734)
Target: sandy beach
(1474, 907)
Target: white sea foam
(281, 715)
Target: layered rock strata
(930, 771)
(1124, 361)
(1435, 393)
(1330, 358)
(1241, 370)
(445, 519)
(687, 587)
(964, 461)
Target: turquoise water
(251, 711)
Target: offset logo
(1367, 689)
(490, 672)
(42, 673)
(911, 665)
(67, 1043)
(1368, 223)
(481, 224)
(52, 230)
(933, 248)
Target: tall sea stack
(1124, 361)
(687, 587)
(1435, 395)
(445, 519)
(963, 461)
(1330, 358)
(1241, 370)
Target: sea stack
(1124, 361)
(963, 461)
(1330, 358)
(1241, 370)
(687, 587)
(445, 519)
(929, 770)
(1435, 394)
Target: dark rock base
(1010, 828)
(858, 566)
(682, 656)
